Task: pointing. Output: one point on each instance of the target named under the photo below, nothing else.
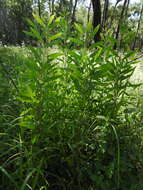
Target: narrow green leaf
(53, 56)
(26, 124)
(96, 30)
(51, 19)
(58, 20)
(36, 34)
(55, 36)
(77, 41)
(30, 23)
(79, 28)
(39, 20)
(98, 54)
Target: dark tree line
(13, 20)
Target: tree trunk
(53, 6)
(113, 13)
(105, 13)
(127, 8)
(73, 12)
(120, 22)
(96, 18)
(88, 14)
(39, 8)
(138, 28)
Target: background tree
(120, 22)
(51, 4)
(73, 10)
(89, 9)
(105, 13)
(138, 27)
(14, 14)
(96, 17)
(20, 10)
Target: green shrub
(73, 130)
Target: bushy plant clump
(73, 129)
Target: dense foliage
(67, 120)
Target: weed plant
(73, 129)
